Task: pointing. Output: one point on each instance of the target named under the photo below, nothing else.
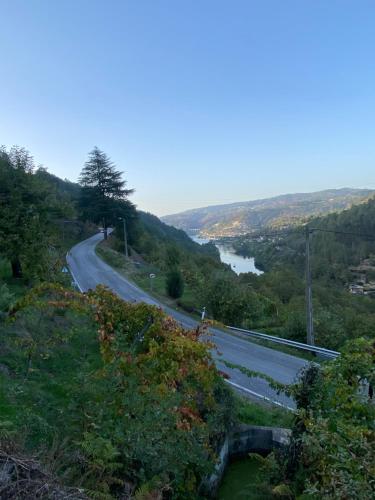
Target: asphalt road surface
(89, 270)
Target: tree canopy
(29, 209)
(104, 194)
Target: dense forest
(333, 250)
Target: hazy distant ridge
(280, 211)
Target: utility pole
(309, 306)
(125, 238)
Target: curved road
(89, 270)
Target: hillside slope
(281, 211)
(333, 253)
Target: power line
(308, 233)
(311, 229)
(360, 235)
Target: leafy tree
(173, 256)
(25, 215)
(175, 284)
(103, 190)
(233, 303)
(20, 159)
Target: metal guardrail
(298, 345)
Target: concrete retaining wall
(243, 440)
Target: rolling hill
(278, 212)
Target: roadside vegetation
(204, 280)
(331, 450)
(331, 453)
(139, 271)
(115, 392)
(273, 302)
(98, 396)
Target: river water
(238, 263)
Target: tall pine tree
(104, 191)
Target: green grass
(245, 480)
(18, 286)
(251, 413)
(247, 412)
(38, 402)
(47, 407)
(140, 275)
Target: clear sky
(199, 102)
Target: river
(238, 263)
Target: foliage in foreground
(119, 411)
(24, 478)
(331, 454)
(38, 218)
(331, 451)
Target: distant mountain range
(279, 212)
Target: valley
(239, 264)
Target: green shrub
(115, 390)
(5, 271)
(331, 452)
(6, 298)
(175, 284)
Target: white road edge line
(256, 394)
(73, 276)
(249, 391)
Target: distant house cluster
(358, 289)
(364, 283)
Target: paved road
(89, 270)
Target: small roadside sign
(152, 276)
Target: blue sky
(199, 102)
